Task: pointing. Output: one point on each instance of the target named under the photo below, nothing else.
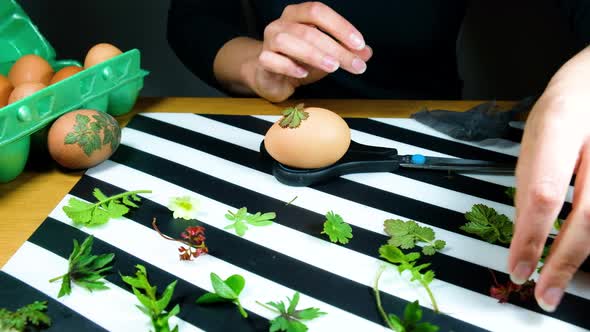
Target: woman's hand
(555, 145)
(308, 41)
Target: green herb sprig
(99, 213)
(24, 317)
(242, 218)
(84, 269)
(227, 290)
(290, 319)
(405, 234)
(337, 229)
(412, 313)
(407, 262)
(150, 305)
(488, 224)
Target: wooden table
(27, 201)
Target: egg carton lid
(19, 36)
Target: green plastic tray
(112, 86)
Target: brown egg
(30, 68)
(100, 53)
(64, 73)
(5, 90)
(83, 138)
(319, 141)
(24, 90)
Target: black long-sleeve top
(414, 42)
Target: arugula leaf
(407, 262)
(227, 290)
(337, 229)
(84, 269)
(486, 223)
(412, 313)
(31, 314)
(150, 305)
(241, 218)
(290, 319)
(95, 214)
(405, 234)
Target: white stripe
(458, 302)
(113, 309)
(164, 254)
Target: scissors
(360, 158)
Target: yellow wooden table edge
(26, 201)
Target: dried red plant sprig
(502, 292)
(193, 237)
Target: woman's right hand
(308, 42)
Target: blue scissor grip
(418, 159)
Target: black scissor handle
(359, 158)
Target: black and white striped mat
(215, 158)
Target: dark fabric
(414, 42)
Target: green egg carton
(112, 86)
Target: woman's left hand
(555, 145)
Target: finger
(347, 59)
(302, 51)
(281, 64)
(548, 154)
(571, 247)
(326, 19)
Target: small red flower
(502, 292)
(194, 238)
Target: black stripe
(449, 269)
(57, 237)
(285, 270)
(455, 182)
(14, 294)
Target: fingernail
(357, 42)
(521, 273)
(359, 65)
(330, 64)
(550, 300)
(300, 72)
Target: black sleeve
(577, 13)
(197, 29)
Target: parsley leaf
(336, 228)
(486, 223)
(150, 304)
(408, 263)
(290, 319)
(31, 314)
(227, 290)
(84, 269)
(405, 234)
(94, 214)
(241, 218)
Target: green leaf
(99, 213)
(24, 318)
(84, 269)
(428, 277)
(236, 282)
(392, 254)
(221, 288)
(150, 305)
(428, 250)
(241, 217)
(412, 313)
(307, 314)
(396, 323)
(290, 319)
(510, 192)
(486, 223)
(405, 234)
(210, 298)
(293, 303)
(337, 230)
(426, 327)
